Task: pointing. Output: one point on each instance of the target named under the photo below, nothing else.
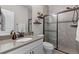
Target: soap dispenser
(13, 35)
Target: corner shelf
(37, 23)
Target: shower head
(75, 6)
(68, 8)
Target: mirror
(15, 17)
(6, 21)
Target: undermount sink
(23, 39)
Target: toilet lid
(48, 45)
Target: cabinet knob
(32, 52)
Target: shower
(62, 33)
(75, 16)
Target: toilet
(48, 48)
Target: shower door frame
(57, 42)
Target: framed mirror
(6, 22)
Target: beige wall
(21, 13)
(37, 28)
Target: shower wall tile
(52, 26)
(66, 34)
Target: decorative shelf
(37, 22)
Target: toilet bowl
(48, 48)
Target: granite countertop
(9, 44)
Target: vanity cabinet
(36, 50)
(35, 47)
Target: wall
(58, 8)
(37, 28)
(29, 12)
(46, 9)
(21, 13)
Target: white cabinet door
(28, 52)
(38, 50)
(17, 51)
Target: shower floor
(66, 45)
(68, 50)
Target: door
(50, 29)
(66, 33)
(61, 34)
(38, 50)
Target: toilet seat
(48, 46)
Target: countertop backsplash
(5, 37)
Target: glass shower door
(66, 33)
(61, 36)
(50, 29)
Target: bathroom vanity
(26, 45)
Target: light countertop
(9, 44)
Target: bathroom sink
(23, 39)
